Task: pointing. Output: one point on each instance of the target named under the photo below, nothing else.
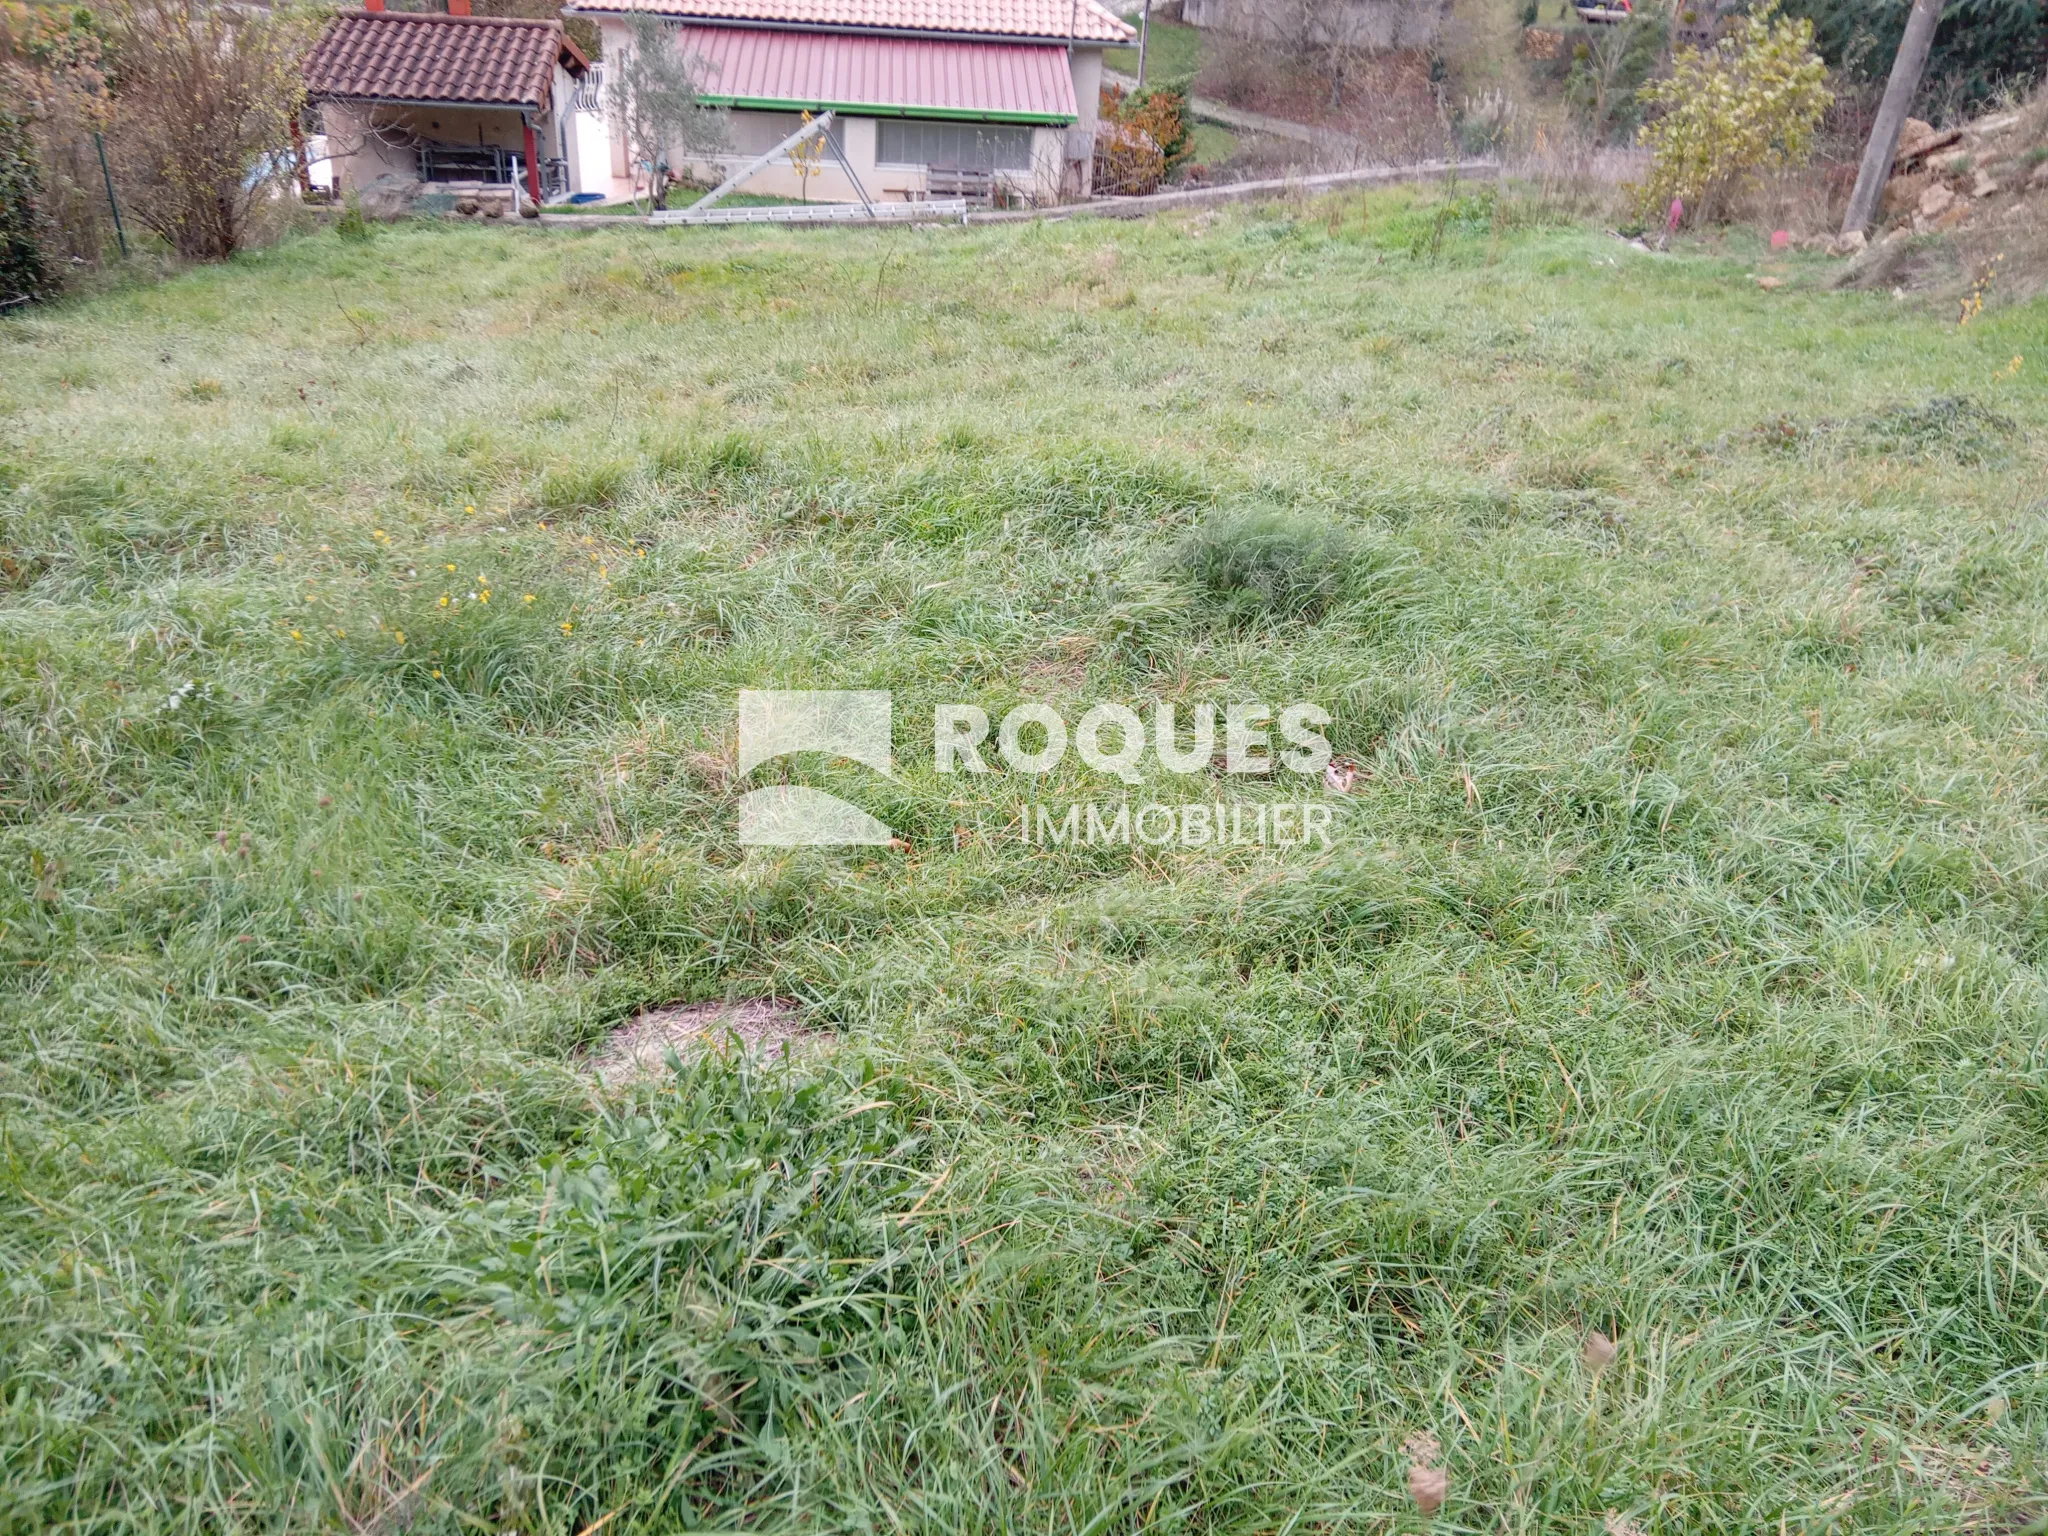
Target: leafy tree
(1728, 113)
(653, 91)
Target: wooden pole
(1904, 85)
(1144, 37)
(532, 161)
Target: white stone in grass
(760, 1029)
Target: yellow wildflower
(566, 626)
(444, 599)
(527, 598)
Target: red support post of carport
(532, 160)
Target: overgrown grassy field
(372, 621)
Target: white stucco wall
(1087, 67)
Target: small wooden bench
(942, 181)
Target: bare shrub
(1127, 161)
(202, 110)
(1389, 112)
(1566, 174)
(1138, 139)
(51, 77)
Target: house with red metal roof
(928, 97)
(483, 104)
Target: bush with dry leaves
(203, 100)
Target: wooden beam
(1907, 68)
(817, 124)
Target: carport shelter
(440, 98)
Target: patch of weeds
(1782, 433)
(352, 227)
(755, 390)
(294, 437)
(1248, 567)
(584, 487)
(1425, 232)
(1590, 513)
(1572, 472)
(736, 453)
(1145, 618)
(1953, 427)
(1091, 490)
(692, 461)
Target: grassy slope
(1678, 972)
(1174, 52)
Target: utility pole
(1907, 69)
(1144, 36)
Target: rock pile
(1945, 178)
(1965, 206)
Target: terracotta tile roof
(424, 56)
(907, 76)
(1083, 20)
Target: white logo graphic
(1111, 739)
(854, 724)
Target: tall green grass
(366, 731)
